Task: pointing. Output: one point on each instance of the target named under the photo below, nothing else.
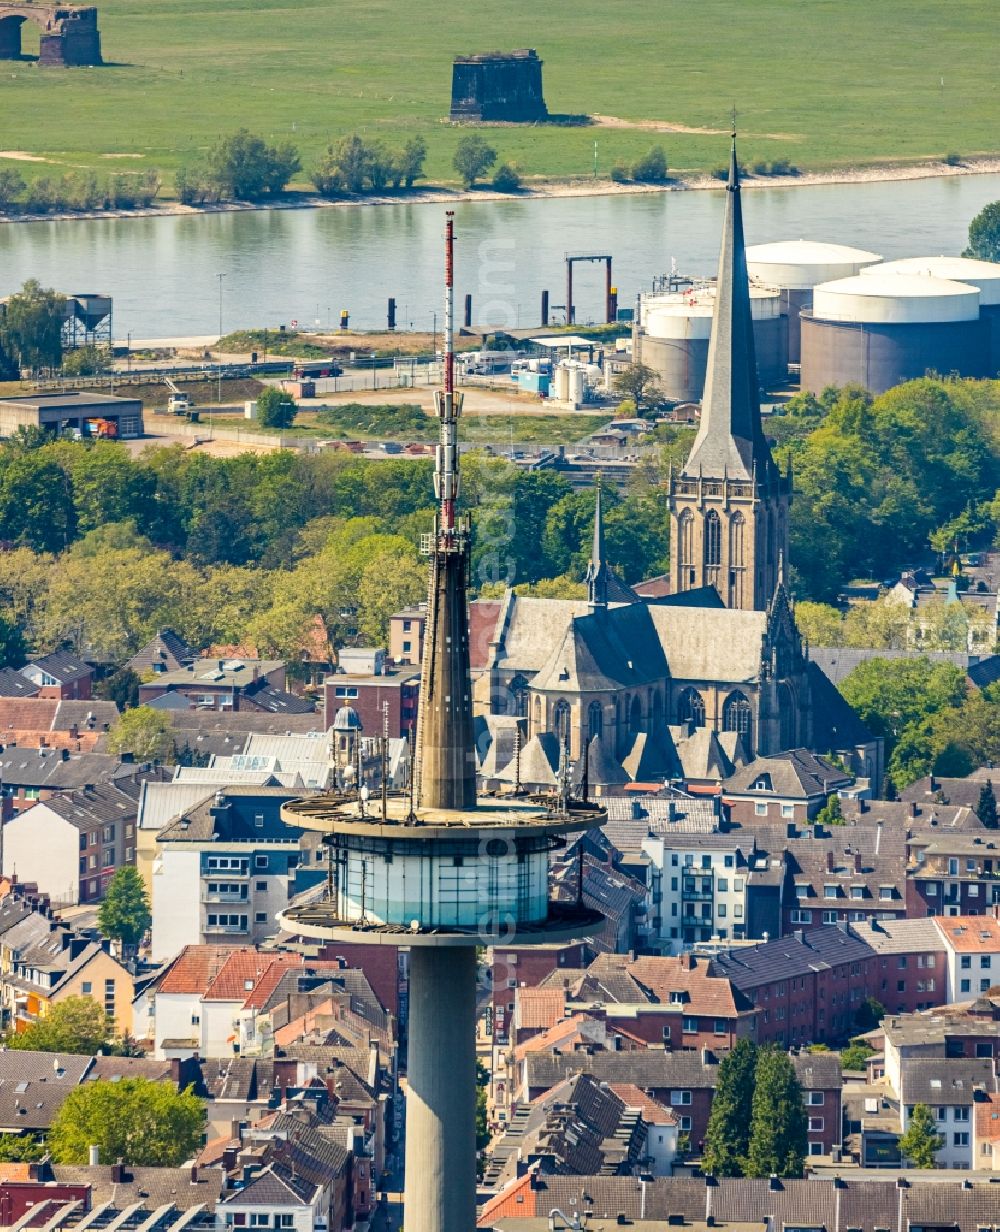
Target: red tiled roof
(196, 967)
(539, 1007)
(971, 933)
(27, 713)
(987, 1112)
(250, 976)
(653, 1112)
(560, 1033)
(517, 1200)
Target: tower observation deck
(441, 870)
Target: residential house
(72, 844)
(972, 954)
(849, 1200)
(788, 786)
(224, 685)
(950, 1087)
(406, 635)
(34, 1086)
(911, 963)
(60, 675)
(226, 867)
(698, 887)
(391, 694)
(808, 986)
(953, 874)
(28, 775)
(166, 652)
(39, 722)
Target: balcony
(214, 896)
(697, 896)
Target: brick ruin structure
(69, 34)
(498, 85)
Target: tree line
(106, 547)
(77, 191)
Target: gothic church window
(595, 720)
(737, 716)
(691, 708)
(713, 538)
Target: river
(307, 265)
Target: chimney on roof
(118, 1173)
(799, 935)
(933, 784)
(857, 862)
(862, 805)
(914, 811)
(64, 755)
(829, 861)
(773, 1182)
(194, 1174)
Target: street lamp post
(219, 396)
(374, 381)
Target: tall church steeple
(729, 505)
(597, 569)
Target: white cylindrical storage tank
(561, 383)
(878, 330)
(795, 267)
(678, 327)
(576, 385)
(985, 275)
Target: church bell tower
(729, 504)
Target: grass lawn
(823, 83)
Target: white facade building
(698, 889)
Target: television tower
(440, 870)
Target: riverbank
(540, 190)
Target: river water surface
(307, 265)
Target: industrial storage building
(673, 333)
(984, 275)
(879, 329)
(795, 267)
(67, 411)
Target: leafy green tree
(36, 503)
(121, 687)
(727, 1138)
(143, 732)
(275, 408)
(819, 623)
(506, 178)
(889, 694)
(21, 1149)
(831, 814)
(11, 187)
(246, 167)
(13, 648)
(141, 1122)
(639, 383)
(984, 234)
(473, 158)
(31, 326)
(652, 167)
(411, 161)
(889, 791)
(124, 911)
(855, 1055)
(86, 361)
(870, 1013)
(921, 1141)
(778, 1123)
(986, 808)
(482, 1128)
(76, 1025)
(390, 581)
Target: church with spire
(697, 682)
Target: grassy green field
(821, 82)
